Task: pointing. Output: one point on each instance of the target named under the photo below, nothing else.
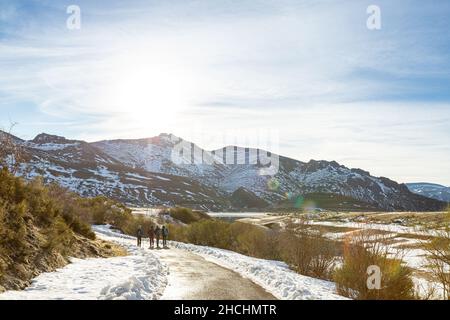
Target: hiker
(151, 236)
(165, 234)
(139, 236)
(157, 235)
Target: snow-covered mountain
(167, 170)
(430, 190)
(89, 171)
(293, 178)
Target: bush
(78, 226)
(186, 215)
(13, 230)
(213, 233)
(254, 241)
(364, 250)
(308, 253)
(59, 237)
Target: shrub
(78, 226)
(59, 237)
(178, 233)
(213, 233)
(13, 230)
(307, 252)
(366, 249)
(254, 241)
(186, 215)
(41, 205)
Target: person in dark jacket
(151, 237)
(157, 235)
(139, 236)
(165, 235)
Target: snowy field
(377, 226)
(237, 214)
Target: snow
(162, 178)
(237, 214)
(378, 226)
(138, 176)
(141, 275)
(274, 276)
(138, 276)
(51, 146)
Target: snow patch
(274, 276)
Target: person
(157, 235)
(165, 234)
(139, 236)
(151, 236)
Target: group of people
(154, 233)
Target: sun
(146, 89)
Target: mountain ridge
(152, 171)
(430, 190)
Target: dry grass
(366, 249)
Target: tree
(11, 152)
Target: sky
(307, 74)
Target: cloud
(311, 69)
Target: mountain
(87, 170)
(167, 170)
(244, 199)
(293, 178)
(430, 190)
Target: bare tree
(11, 151)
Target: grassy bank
(41, 226)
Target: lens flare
(299, 202)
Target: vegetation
(362, 251)
(309, 253)
(11, 153)
(41, 225)
(186, 215)
(439, 256)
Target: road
(191, 277)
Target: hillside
(38, 233)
